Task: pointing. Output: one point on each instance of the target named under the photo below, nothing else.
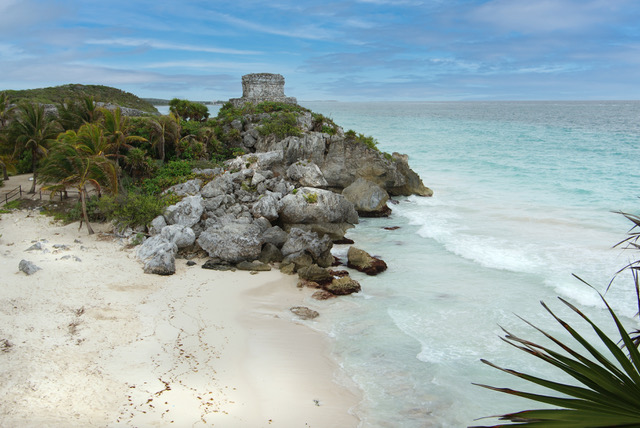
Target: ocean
(524, 197)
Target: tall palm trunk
(85, 216)
(34, 166)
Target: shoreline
(103, 344)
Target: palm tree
(116, 130)
(7, 164)
(165, 130)
(77, 160)
(33, 131)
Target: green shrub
(169, 174)
(282, 125)
(311, 198)
(132, 209)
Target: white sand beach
(91, 341)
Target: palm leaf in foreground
(609, 395)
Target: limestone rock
(186, 212)
(364, 262)
(306, 174)
(275, 235)
(232, 242)
(267, 206)
(28, 267)
(369, 199)
(304, 313)
(310, 205)
(216, 264)
(156, 225)
(270, 253)
(191, 187)
(180, 235)
(254, 266)
(158, 255)
(298, 260)
(315, 273)
(299, 241)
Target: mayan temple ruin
(259, 87)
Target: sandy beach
(91, 341)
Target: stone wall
(259, 87)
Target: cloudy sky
(353, 50)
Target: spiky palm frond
(608, 394)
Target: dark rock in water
(362, 261)
(344, 241)
(216, 264)
(315, 273)
(322, 295)
(191, 263)
(270, 253)
(343, 286)
(391, 228)
(28, 267)
(302, 283)
(338, 273)
(304, 313)
(253, 266)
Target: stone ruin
(259, 87)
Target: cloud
(156, 44)
(547, 15)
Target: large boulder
(299, 241)
(187, 212)
(267, 206)
(232, 242)
(158, 255)
(413, 183)
(369, 199)
(309, 205)
(180, 235)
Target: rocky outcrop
(369, 199)
(343, 286)
(186, 212)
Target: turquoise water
(524, 194)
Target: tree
(77, 160)
(7, 164)
(165, 130)
(33, 131)
(116, 130)
(73, 113)
(189, 110)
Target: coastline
(96, 343)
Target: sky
(357, 50)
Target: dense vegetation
(100, 93)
